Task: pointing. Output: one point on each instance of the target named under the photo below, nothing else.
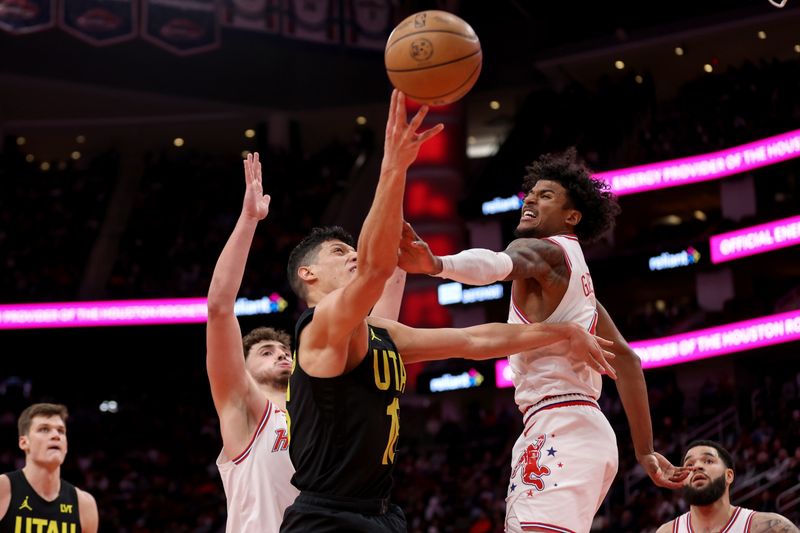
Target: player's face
(270, 363)
(544, 211)
(336, 264)
(46, 441)
(710, 479)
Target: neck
(275, 394)
(712, 517)
(45, 480)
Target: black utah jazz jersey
(343, 430)
(27, 511)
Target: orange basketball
(434, 57)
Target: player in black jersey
(36, 498)
(348, 374)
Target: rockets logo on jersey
(532, 471)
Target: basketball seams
(415, 69)
(454, 91)
(470, 38)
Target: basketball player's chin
(526, 231)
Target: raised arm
(522, 259)
(230, 382)
(487, 341)
(326, 339)
(633, 393)
(388, 305)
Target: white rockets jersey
(739, 522)
(257, 482)
(551, 370)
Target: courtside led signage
(466, 380)
(755, 240)
(455, 293)
(720, 340)
(704, 167)
(126, 312)
(665, 261)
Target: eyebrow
(709, 454)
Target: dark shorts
(322, 514)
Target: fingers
(248, 170)
(416, 122)
(427, 134)
(257, 168)
(603, 342)
(602, 364)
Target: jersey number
(393, 410)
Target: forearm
(229, 270)
(388, 306)
(477, 266)
(487, 341)
(380, 234)
(632, 390)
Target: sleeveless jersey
(27, 511)
(551, 370)
(257, 481)
(739, 522)
(344, 429)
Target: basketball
(434, 57)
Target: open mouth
(529, 214)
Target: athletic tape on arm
(477, 266)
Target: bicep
(88, 512)
(535, 258)
(227, 374)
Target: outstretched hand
(415, 256)
(402, 141)
(592, 348)
(662, 472)
(256, 203)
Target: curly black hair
(306, 253)
(597, 204)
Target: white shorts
(561, 468)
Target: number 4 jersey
(344, 429)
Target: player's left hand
(662, 472)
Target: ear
(729, 476)
(24, 444)
(573, 217)
(305, 273)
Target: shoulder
(666, 528)
(5, 494)
(87, 507)
(771, 523)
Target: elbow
(217, 308)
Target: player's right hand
(402, 142)
(256, 203)
(415, 256)
(592, 348)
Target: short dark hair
(597, 204)
(40, 409)
(724, 454)
(265, 334)
(306, 253)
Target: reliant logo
(687, 257)
(466, 380)
(502, 205)
(455, 293)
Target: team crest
(532, 471)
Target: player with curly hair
(564, 461)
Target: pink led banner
(704, 167)
(720, 340)
(502, 374)
(124, 312)
(755, 240)
(700, 344)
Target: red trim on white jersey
(518, 311)
(593, 327)
(264, 419)
(725, 529)
(546, 527)
(749, 521)
(563, 251)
